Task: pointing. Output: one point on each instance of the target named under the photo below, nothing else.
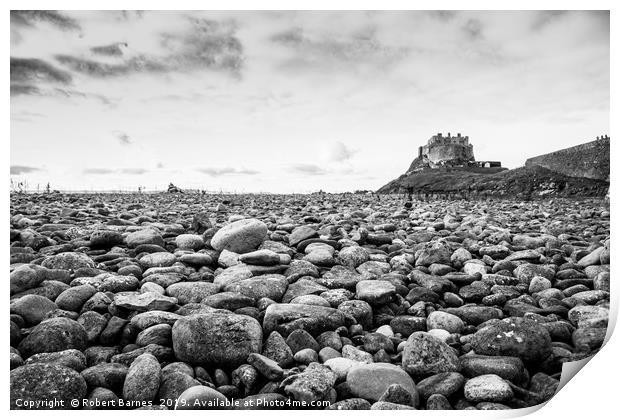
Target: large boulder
(302, 287)
(353, 256)
(582, 314)
(276, 349)
(105, 239)
(272, 286)
(68, 261)
(144, 301)
(73, 298)
(475, 314)
(375, 292)
(142, 380)
(359, 310)
(436, 252)
(526, 272)
(26, 277)
(55, 334)
(313, 384)
(232, 274)
(370, 381)
(514, 336)
(300, 268)
(300, 234)
(287, 317)
(106, 375)
(158, 259)
(117, 284)
(144, 237)
(191, 291)
(46, 386)
(216, 338)
(489, 388)
(445, 321)
(71, 358)
(148, 319)
(426, 355)
(446, 384)
(189, 241)
(241, 236)
(32, 308)
(260, 257)
(507, 367)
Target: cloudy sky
(293, 101)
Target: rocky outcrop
(581, 171)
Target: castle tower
(449, 152)
(442, 151)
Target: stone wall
(588, 160)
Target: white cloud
(336, 151)
(360, 90)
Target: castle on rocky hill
(449, 151)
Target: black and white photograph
(306, 209)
